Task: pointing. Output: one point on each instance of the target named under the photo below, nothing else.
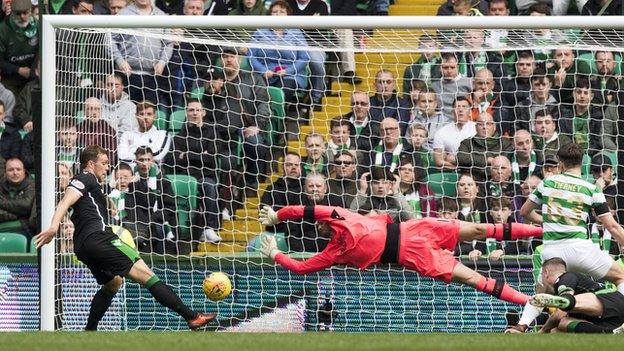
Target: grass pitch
(208, 341)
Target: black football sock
(166, 297)
(99, 305)
(586, 327)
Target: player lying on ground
(566, 201)
(95, 244)
(422, 245)
(585, 306)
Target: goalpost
(382, 298)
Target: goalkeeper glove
(269, 246)
(267, 216)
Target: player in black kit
(585, 306)
(108, 258)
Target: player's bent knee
(563, 324)
(114, 284)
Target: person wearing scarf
(340, 138)
(20, 45)
(471, 207)
(315, 161)
(390, 146)
(416, 192)
(524, 161)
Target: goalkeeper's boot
(547, 300)
(201, 320)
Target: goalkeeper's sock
(99, 305)
(501, 290)
(166, 297)
(512, 231)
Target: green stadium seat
(161, 120)
(185, 189)
(197, 93)
(13, 243)
(11, 227)
(280, 238)
(176, 121)
(33, 247)
(443, 184)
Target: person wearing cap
(551, 166)
(19, 44)
(379, 192)
(602, 171)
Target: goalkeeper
(95, 245)
(585, 306)
(422, 245)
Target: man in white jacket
(146, 135)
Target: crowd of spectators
(487, 122)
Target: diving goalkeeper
(422, 245)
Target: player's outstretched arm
(313, 264)
(68, 200)
(528, 211)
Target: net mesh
(190, 202)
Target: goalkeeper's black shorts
(106, 256)
(612, 311)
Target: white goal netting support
(207, 118)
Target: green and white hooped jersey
(566, 201)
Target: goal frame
(48, 73)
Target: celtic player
(566, 201)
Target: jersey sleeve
(566, 283)
(599, 203)
(536, 195)
(313, 264)
(316, 213)
(82, 183)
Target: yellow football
(217, 286)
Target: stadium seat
(13, 243)
(197, 93)
(161, 120)
(33, 247)
(11, 227)
(280, 238)
(443, 184)
(176, 121)
(185, 190)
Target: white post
(48, 113)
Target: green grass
(207, 341)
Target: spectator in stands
(68, 151)
(582, 121)
(171, 7)
(386, 103)
(343, 176)
(602, 8)
(484, 98)
(67, 236)
(477, 58)
(64, 175)
(497, 38)
(568, 7)
(471, 206)
(428, 115)
(150, 204)
(390, 147)
(415, 190)
(147, 135)
(82, 7)
(550, 167)
(477, 153)
(22, 113)
(285, 69)
(345, 39)
(316, 159)
(527, 187)
(500, 181)
(248, 8)
(447, 208)
(286, 190)
(27, 154)
(421, 157)
(539, 98)
(189, 58)
(10, 139)
(8, 101)
(427, 67)
(517, 87)
(17, 197)
(248, 100)
(196, 151)
(19, 45)
(143, 59)
(448, 138)
(117, 109)
(547, 139)
(124, 175)
(499, 212)
(452, 84)
(524, 161)
(317, 58)
(95, 131)
(301, 235)
(564, 71)
(364, 129)
(448, 8)
(417, 87)
(379, 192)
(610, 86)
(602, 172)
(109, 7)
(340, 138)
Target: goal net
(204, 125)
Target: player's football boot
(619, 330)
(201, 320)
(547, 300)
